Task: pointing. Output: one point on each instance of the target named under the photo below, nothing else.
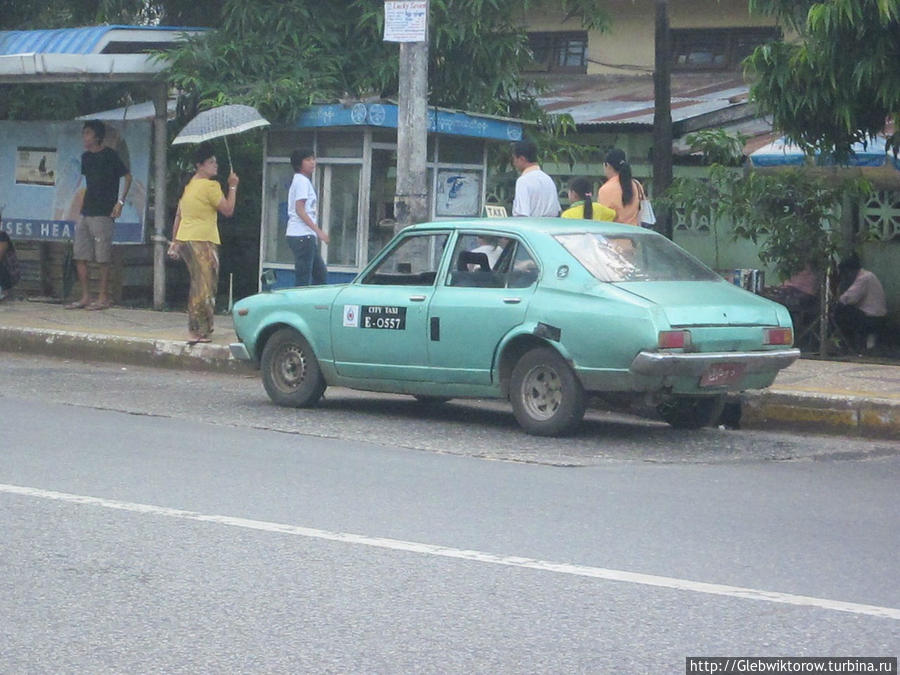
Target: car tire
(290, 371)
(428, 400)
(691, 412)
(547, 398)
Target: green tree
(711, 199)
(281, 56)
(838, 83)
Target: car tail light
(778, 336)
(674, 339)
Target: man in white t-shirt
(536, 193)
(303, 232)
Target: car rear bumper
(665, 364)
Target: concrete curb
(821, 413)
(120, 349)
(763, 410)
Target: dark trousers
(5, 277)
(856, 325)
(309, 268)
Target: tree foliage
(36, 14)
(280, 56)
(793, 216)
(839, 82)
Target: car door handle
(417, 298)
(512, 301)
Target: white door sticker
(351, 316)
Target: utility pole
(662, 117)
(411, 195)
(160, 99)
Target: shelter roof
(611, 101)
(85, 54)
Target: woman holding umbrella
(195, 236)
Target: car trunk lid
(705, 303)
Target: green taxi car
(542, 311)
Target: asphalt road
(156, 521)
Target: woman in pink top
(620, 192)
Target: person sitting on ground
(9, 264)
(581, 204)
(798, 293)
(861, 309)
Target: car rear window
(634, 257)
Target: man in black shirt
(102, 169)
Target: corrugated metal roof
(85, 40)
(605, 99)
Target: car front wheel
(546, 396)
(290, 371)
(691, 412)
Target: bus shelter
(355, 179)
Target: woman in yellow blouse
(195, 235)
(581, 205)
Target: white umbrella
(220, 122)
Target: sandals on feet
(76, 305)
(96, 306)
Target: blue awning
(782, 153)
(440, 120)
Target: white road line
(474, 556)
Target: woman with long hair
(621, 192)
(195, 238)
(580, 203)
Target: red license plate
(720, 374)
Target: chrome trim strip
(656, 363)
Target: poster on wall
(41, 183)
(36, 166)
(458, 193)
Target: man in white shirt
(303, 233)
(536, 193)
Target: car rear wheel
(546, 396)
(691, 412)
(290, 371)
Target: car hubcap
(291, 367)
(542, 392)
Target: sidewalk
(850, 398)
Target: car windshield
(634, 257)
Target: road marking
(462, 554)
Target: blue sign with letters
(448, 122)
(41, 186)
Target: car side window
(482, 261)
(413, 261)
(524, 270)
(473, 261)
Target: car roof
(530, 225)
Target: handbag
(646, 216)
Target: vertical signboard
(405, 20)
